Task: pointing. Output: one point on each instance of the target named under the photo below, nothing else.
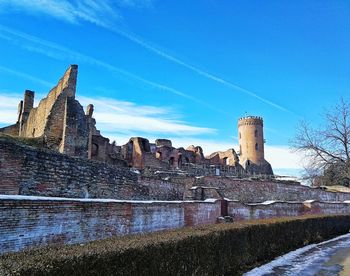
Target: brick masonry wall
(28, 222)
(242, 211)
(174, 188)
(36, 221)
(260, 191)
(28, 171)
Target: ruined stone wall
(39, 116)
(242, 211)
(59, 119)
(150, 160)
(10, 130)
(174, 188)
(29, 171)
(30, 222)
(260, 191)
(224, 158)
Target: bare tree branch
(328, 146)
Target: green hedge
(224, 249)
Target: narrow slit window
(256, 146)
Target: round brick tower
(251, 140)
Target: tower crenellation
(250, 120)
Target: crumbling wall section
(75, 132)
(10, 130)
(274, 209)
(246, 190)
(36, 124)
(174, 188)
(29, 171)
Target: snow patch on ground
(303, 261)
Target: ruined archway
(94, 150)
(179, 160)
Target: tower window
(256, 146)
(240, 136)
(256, 133)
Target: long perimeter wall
(28, 221)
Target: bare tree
(327, 148)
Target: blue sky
(184, 70)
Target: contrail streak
(26, 76)
(205, 74)
(99, 13)
(61, 52)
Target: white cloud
(100, 13)
(282, 157)
(8, 108)
(121, 117)
(103, 13)
(127, 117)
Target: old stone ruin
(62, 182)
(60, 123)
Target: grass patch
(37, 142)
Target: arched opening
(145, 146)
(225, 161)
(171, 161)
(130, 150)
(94, 150)
(187, 160)
(248, 163)
(131, 145)
(179, 160)
(159, 155)
(256, 146)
